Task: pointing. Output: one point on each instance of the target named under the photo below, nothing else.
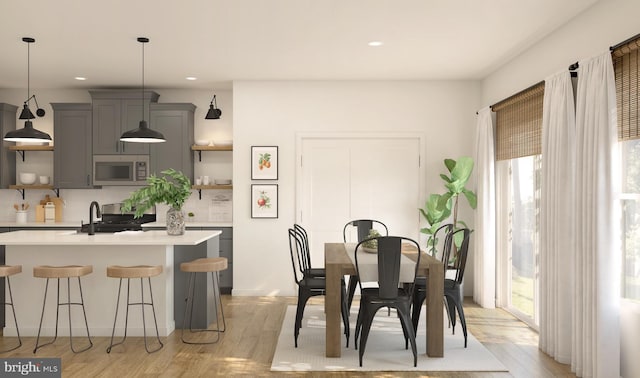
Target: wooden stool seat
(47, 271)
(137, 271)
(212, 264)
(10, 270)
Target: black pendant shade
(214, 112)
(143, 134)
(28, 133)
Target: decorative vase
(175, 221)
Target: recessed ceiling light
(375, 43)
(191, 78)
(80, 78)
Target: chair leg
(463, 323)
(303, 297)
(418, 299)
(451, 310)
(13, 310)
(409, 333)
(353, 283)
(345, 314)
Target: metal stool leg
(153, 309)
(217, 301)
(115, 318)
(13, 310)
(44, 303)
(86, 323)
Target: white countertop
(78, 223)
(61, 237)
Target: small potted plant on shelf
(173, 189)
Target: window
(626, 61)
(518, 148)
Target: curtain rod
(515, 94)
(637, 36)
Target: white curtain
(557, 217)
(484, 285)
(596, 299)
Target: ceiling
(219, 41)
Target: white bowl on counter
(222, 181)
(202, 142)
(27, 178)
(222, 142)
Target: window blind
(519, 124)
(626, 63)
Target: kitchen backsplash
(77, 203)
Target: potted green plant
(371, 245)
(439, 207)
(173, 189)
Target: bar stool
(129, 272)
(6, 271)
(58, 272)
(211, 265)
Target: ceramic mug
(199, 181)
(44, 180)
(205, 180)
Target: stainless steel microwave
(120, 169)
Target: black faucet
(93, 204)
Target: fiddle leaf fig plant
(173, 189)
(440, 207)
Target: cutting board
(57, 201)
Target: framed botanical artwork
(264, 162)
(264, 200)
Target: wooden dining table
(338, 264)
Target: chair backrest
(456, 259)
(364, 226)
(301, 233)
(295, 248)
(438, 243)
(389, 257)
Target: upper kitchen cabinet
(7, 158)
(115, 112)
(72, 139)
(175, 122)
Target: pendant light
(143, 134)
(28, 133)
(214, 112)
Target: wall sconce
(28, 133)
(214, 112)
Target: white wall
(218, 165)
(271, 113)
(606, 24)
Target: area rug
(385, 347)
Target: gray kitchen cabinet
(72, 167)
(115, 112)
(175, 122)
(7, 158)
(226, 250)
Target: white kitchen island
(59, 247)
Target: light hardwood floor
(247, 347)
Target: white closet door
(342, 179)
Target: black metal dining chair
(363, 226)
(453, 262)
(387, 292)
(305, 261)
(309, 286)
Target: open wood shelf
(30, 148)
